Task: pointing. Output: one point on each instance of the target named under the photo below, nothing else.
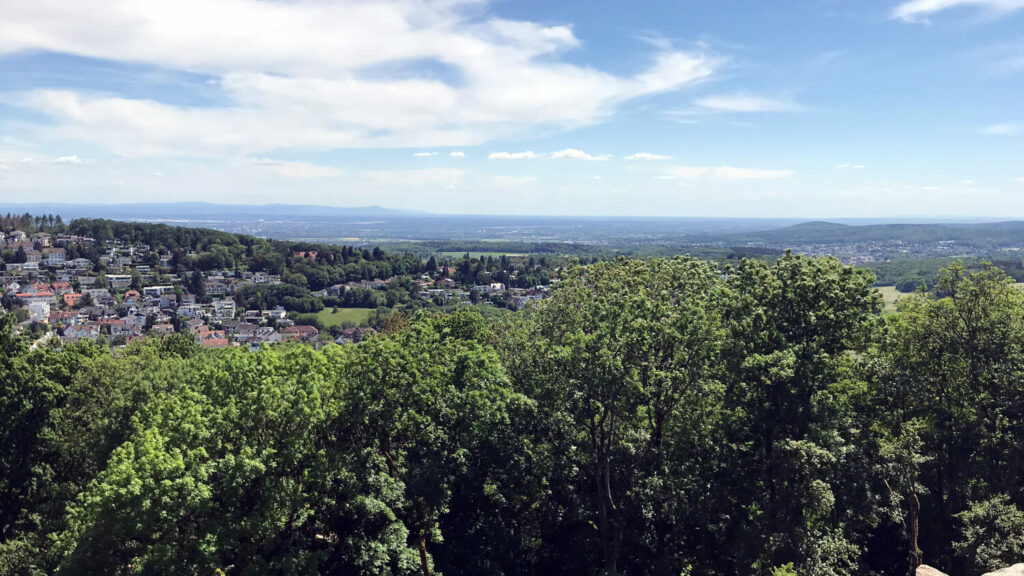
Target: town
(73, 286)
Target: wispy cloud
(571, 153)
(577, 154)
(436, 177)
(297, 170)
(729, 173)
(458, 154)
(528, 155)
(850, 166)
(919, 10)
(308, 82)
(73, 159)
(1002, 129)
(424, 154)
(502, 181)
(647, 156)
(745, 103)
(70, 160)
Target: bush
(991, 536)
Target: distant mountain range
(378, 224)
(202, 211)
(988, 233)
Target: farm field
(479, 254)
(354, 315)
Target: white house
(39, 311)
(119, 280)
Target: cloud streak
(1002, 129)
(527, 155)
(726, 173)
(745, 103)
(568, 153)
(297, 170)
(647, 156)
(917, 11)
(577, 154)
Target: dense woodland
(652, 417)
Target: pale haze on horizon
(813, 108)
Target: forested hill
(204, 249)
(977, 235)
(652, 417)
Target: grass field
(479, 254)
(889, 296)
(353, 315)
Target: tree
(626, 350)
(198, 284)
(26, 399)
(992, 535)
(950, 358)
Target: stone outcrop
(1015, 570)
(925, 570)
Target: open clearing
(890, 295)
(479, 254)
(354, 315)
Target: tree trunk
(424, 562)
(915, 511)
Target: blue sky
(802, 108)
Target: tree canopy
(652, 417)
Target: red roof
(213, 339)
(72, 299)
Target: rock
(925, 570)
(1015, 570)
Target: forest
(652, 417)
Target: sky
(787, 108)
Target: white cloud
(578, 155)
(298, 170)
(404, 179)
(919, 10)
(728, 173)
(425, 154)
(647, 156)
(744, 103)
(458, 154)
(502, 181)
(850, 166)
(572, 153)
(528, 155)
(73, 159)
(1001, 129)
(301, 75)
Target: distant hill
(988, 234)
(198, 211)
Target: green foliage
(653, 417)
(992, 535)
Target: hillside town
(130, 290)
